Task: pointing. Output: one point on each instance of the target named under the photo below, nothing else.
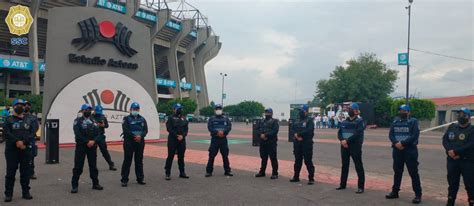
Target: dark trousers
(34, 153)
(79, 157)
(269, 150)
(303, 151)
(175, 147)
(133, 151)
(354, 151)
(408, 157)
(15, 157)
(102, 144)
(216, 146)
(456, 168)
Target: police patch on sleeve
(451, 136)
(462, 136)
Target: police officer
(351, 136)
(219, 126)
(303, 144)
(135, 129)
(32, 136)
(86, 134)
(177, 127)
(18, 129)
(404, 134)
(268, 131)
(458, 141)
(103, 124)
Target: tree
(365, 79)
(383, 114)
(4, 101)
(207, 111)
(189, 106)
(250, 109)
(422, 109)
(35, 100)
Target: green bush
(207, 111)
(422, 109)
(189, 106)
(383, 114)
(35, 100)
(3, 100)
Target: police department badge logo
(462, 136)
(19, 20)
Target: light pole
(408, 53)
(222, 94)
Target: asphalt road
(53, 184)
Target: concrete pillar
(162, 17)
(201, 59)
(33, 48)
(7, 84)
(173, 66)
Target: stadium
(182, 43)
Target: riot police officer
(33, 147)
(219, 126)
(268, 131)
(458, 141)
(18, 129)
(103, 124)
(404, 134)
(351, 136)
(86, 134)
(303, 144)
(177, 127)
(135, 129)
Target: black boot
(451, 202)
(311, 181)
(360, 191)
(392, 195)
(97, 187)
(74, 190)
(341, 188)
(112, 167)
(417, 199)
(8, 198)
(27, 196)
(274, 177)
(168, 177)
(183, 175)
(260, 174)
(295, 179)
(228, 174)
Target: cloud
(275, 51)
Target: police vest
(349, 128)
(87, 127)
(219, 123)
(401, 129)
(137, 125)
(178, 123)
(20, 128)
(458, 137)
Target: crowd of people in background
(327, 122)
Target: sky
(274, 51)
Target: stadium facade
(182, 43)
